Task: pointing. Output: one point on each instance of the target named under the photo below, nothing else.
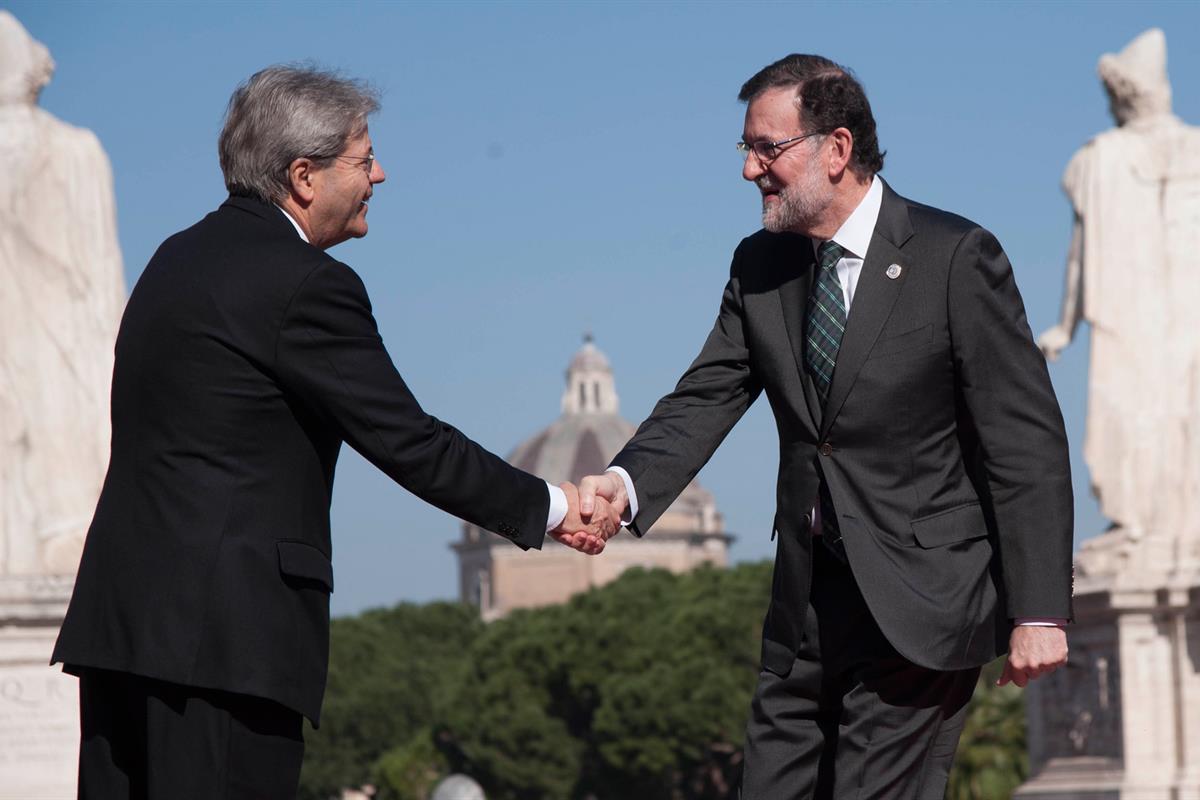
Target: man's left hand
(1033, 651)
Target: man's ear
(841, 147)
(300, 177)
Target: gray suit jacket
(941, 442)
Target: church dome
(590, 431)
(572, 446)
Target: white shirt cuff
(558, 507)
(1041, 622)
(632, 509)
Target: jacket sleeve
(1006, 391)
(330, 355)
(688, 425)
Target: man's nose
(752, 168)
(377, 174)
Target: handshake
(594, 510)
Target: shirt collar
(856, 232)
(295, 224)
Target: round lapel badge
(894, 271)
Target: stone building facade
(497, 576)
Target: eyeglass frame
(369, 158)
(746, 148)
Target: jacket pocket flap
(946, 527)
(302, 560)
(777, 658)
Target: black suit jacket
(244, 359)
(941, 442)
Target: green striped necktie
(826, 319)
(826, 325)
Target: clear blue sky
(556, 167)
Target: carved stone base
(1080, 778)
(39, 705)
(34, 599)
(1122, 720)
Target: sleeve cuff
(632, 509)
(1041, 622)
(558, 507)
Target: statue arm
(1056, 338)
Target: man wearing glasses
(924, 513)
(199, 626)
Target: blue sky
(561, 167)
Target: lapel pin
(894, 271)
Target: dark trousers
(853, 719)
(143, 739)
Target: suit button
(826, 449)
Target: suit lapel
(793, 297)
(874, 297)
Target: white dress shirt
(558, 498)
(855, 237)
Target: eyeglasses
(769, 151)
(368, 161)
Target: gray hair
(287, 112)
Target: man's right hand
(608, 486)
(586, 531)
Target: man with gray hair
(199, 627)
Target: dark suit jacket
(941, 442)
(245, 358)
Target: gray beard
(797, 208)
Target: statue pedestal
(1122, 720)
(39, 705)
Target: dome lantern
(590, 385)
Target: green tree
(387, 670)
(410, 771)
(992, 760)
(638, 689)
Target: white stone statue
(61, 295)
(1133, 272)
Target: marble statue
(1122, 720)
(61, 295)
(1133, 273)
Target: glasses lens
(764, 150)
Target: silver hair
(287, 112)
